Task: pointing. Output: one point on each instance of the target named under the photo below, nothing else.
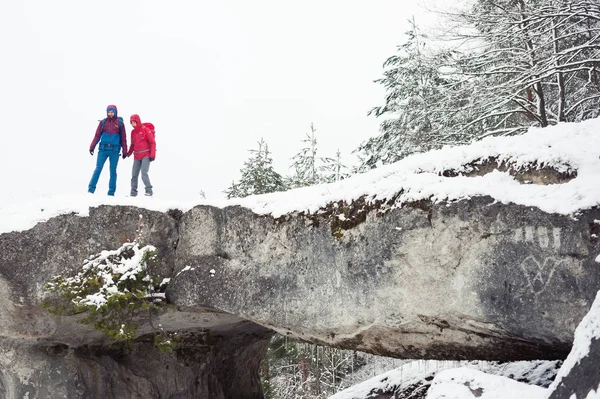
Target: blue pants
(113, 157)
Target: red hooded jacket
(142, 141)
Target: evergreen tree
(413, 106)
(258, 175)
(305, 163)
(517, 64)
(309, 169)
(333, 169)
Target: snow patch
(463, 383)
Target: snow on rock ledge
(554, 169)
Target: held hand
(91, 152)
(151, 159)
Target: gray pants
(143, 165)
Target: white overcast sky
(213, 76)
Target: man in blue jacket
(112, 137)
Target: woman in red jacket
(143, 148)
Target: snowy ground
(565, 147)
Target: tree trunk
(537, 87)
(560, 79)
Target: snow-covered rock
(579, 378)
(414, 379)
(479, 252)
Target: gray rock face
(43, 356)
(469, 280)
(221, 364)
(473, 280)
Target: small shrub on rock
(113, 290)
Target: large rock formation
(472, 280)
(468, 280)
(43, 356)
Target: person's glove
(151, 159)
(91, 152)
(124, 155)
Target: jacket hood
(136, 118)
(112, 108)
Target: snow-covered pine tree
(413, 110)
(515, 64)
(305, 163)
(332, 169)
(258, 175)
